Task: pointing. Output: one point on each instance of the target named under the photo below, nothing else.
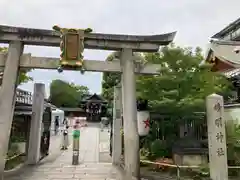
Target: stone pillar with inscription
(117, 125)
(216, 137)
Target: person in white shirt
(65, 140)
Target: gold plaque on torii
(72, 45)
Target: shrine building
(224, 54)
(93, 107)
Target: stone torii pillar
(117, 124)
(33, 155)
(131, 137)
(7, 98)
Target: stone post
(117, 124)
(33, 155)
(216, 137)
(131, 137)
(7, 98)
(76, 139)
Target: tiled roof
(87, 97)
(226, 52)
(233, 29)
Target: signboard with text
(217, 138)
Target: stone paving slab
(67, 171)
(104, 146)
(61, 168)
(89, 144)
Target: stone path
(104, 147)
(60, 168)
(89, 145)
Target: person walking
(65, 141)
(111, 138)
(56, 124)
(65, 121)
(45, 142)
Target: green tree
(110, 79)
(23, 77)
(82, 91)
(233, 145)
(64, 94)
(182, 84)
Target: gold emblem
(71, 46)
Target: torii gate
(127, 44)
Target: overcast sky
(194, 20)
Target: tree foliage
(64, 94)
(110, 79)
(181, 84)
(233, 142)
(23, 77)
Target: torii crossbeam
(42, 37)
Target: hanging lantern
(143, 118)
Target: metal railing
(14, 156)
(179, 167)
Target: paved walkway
(104, 147)
(60, 168)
